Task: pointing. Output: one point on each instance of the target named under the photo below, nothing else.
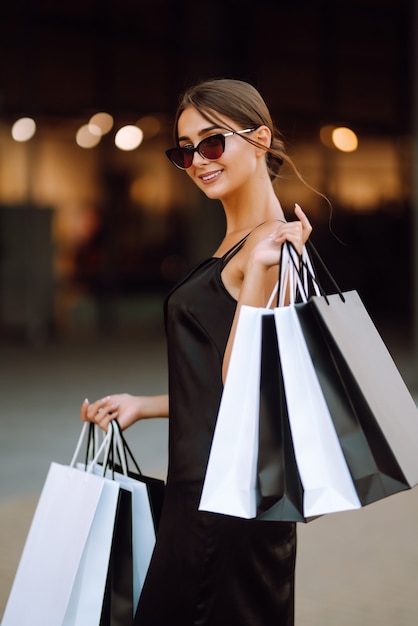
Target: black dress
(209, 569)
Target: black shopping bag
(147, 496)
(155, 486)
(324, 477)
(118, 608)
(375, 417)
(280, 491)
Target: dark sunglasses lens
(181, 157)
(212, 147)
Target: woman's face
(231, 171)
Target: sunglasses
(210, 148)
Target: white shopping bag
(230, 485)
(86, 601)
(143, 531)
(231, 475)
(326, 480)
(57, 549)
(143, 524)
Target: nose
(198, 158)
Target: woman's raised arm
(261, 269)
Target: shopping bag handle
(303, 272)
(296, 276)
(311, 249)
(104, 447)
(113, 452)
(287, 282)
(124, 449)
(119, 451)
(105, 453)
(113, 446)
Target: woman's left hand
(296, 232)
(266, 252)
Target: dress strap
(238, 246)
(232, 251)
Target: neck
(251, 208)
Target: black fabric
(212, 570)
(209, 569)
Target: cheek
(242, 165)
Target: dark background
(316, 62)
(313, 60)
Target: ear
(262, 135)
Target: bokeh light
(340, 137)
(345, 139)
(128, 137)
(101, 123)
(23, 129)
(85, 138)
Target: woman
(208, 569)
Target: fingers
(292, 232)
(83, 410)
(299, 212)
(101, 412)
(306, 225)
(97, 407)
(296, 232)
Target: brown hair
(242, 103)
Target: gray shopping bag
(374, 413)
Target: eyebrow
(202, 132)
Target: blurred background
(96, 226)
(95, 222)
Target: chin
(212, 192)
(212, 195)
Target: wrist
(152, 406)
(258, 266)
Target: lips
(210, 176)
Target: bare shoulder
(234, 272)
(262, 231)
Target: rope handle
(330, 277)
(113, 446)
(104, 447)
(297, 275)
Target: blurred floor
(358, 568)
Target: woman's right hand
(124, 407)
